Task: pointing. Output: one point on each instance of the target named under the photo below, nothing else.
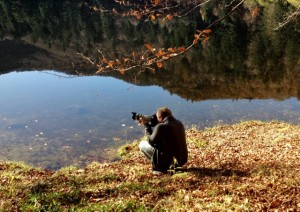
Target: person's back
(172, 141)
(169, 139)
(165, 142)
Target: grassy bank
(251, 166)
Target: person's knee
(142, 145)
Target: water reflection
(241, 44)
(54, 121)
(244, 58)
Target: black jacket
(168, 139)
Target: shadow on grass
(202, 172)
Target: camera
(150, 120)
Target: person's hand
(142, 121)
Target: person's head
(162, 113)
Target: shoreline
(238, 167)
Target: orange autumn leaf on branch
(202, 35)
(159, 64)
(104, 60)
(137, 14)
(255, 11)
(181, 49)
(100, 70)
(149, 47)
(160, 53)
(171, 50)
(205, 40)
(153, 17)
(169, 17)
(207, 31)
(111, 64)
(122, 71)
(150, 62)
(195, 41)
(133, 55)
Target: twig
(198, 5)
(288, 18)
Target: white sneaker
(157, 172)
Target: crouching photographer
(166, 141)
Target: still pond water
(53, 120)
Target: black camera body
(150, 120)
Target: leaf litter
(250, 166)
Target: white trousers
(146, 149)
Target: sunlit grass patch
(109, 178)
(135, 186)
(66, 170)
(179, 175)
(52, 201)
(126, 150)
(121, 205)
(294, 2)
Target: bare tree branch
(195, 7)
(155, 57)
(288, 18)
